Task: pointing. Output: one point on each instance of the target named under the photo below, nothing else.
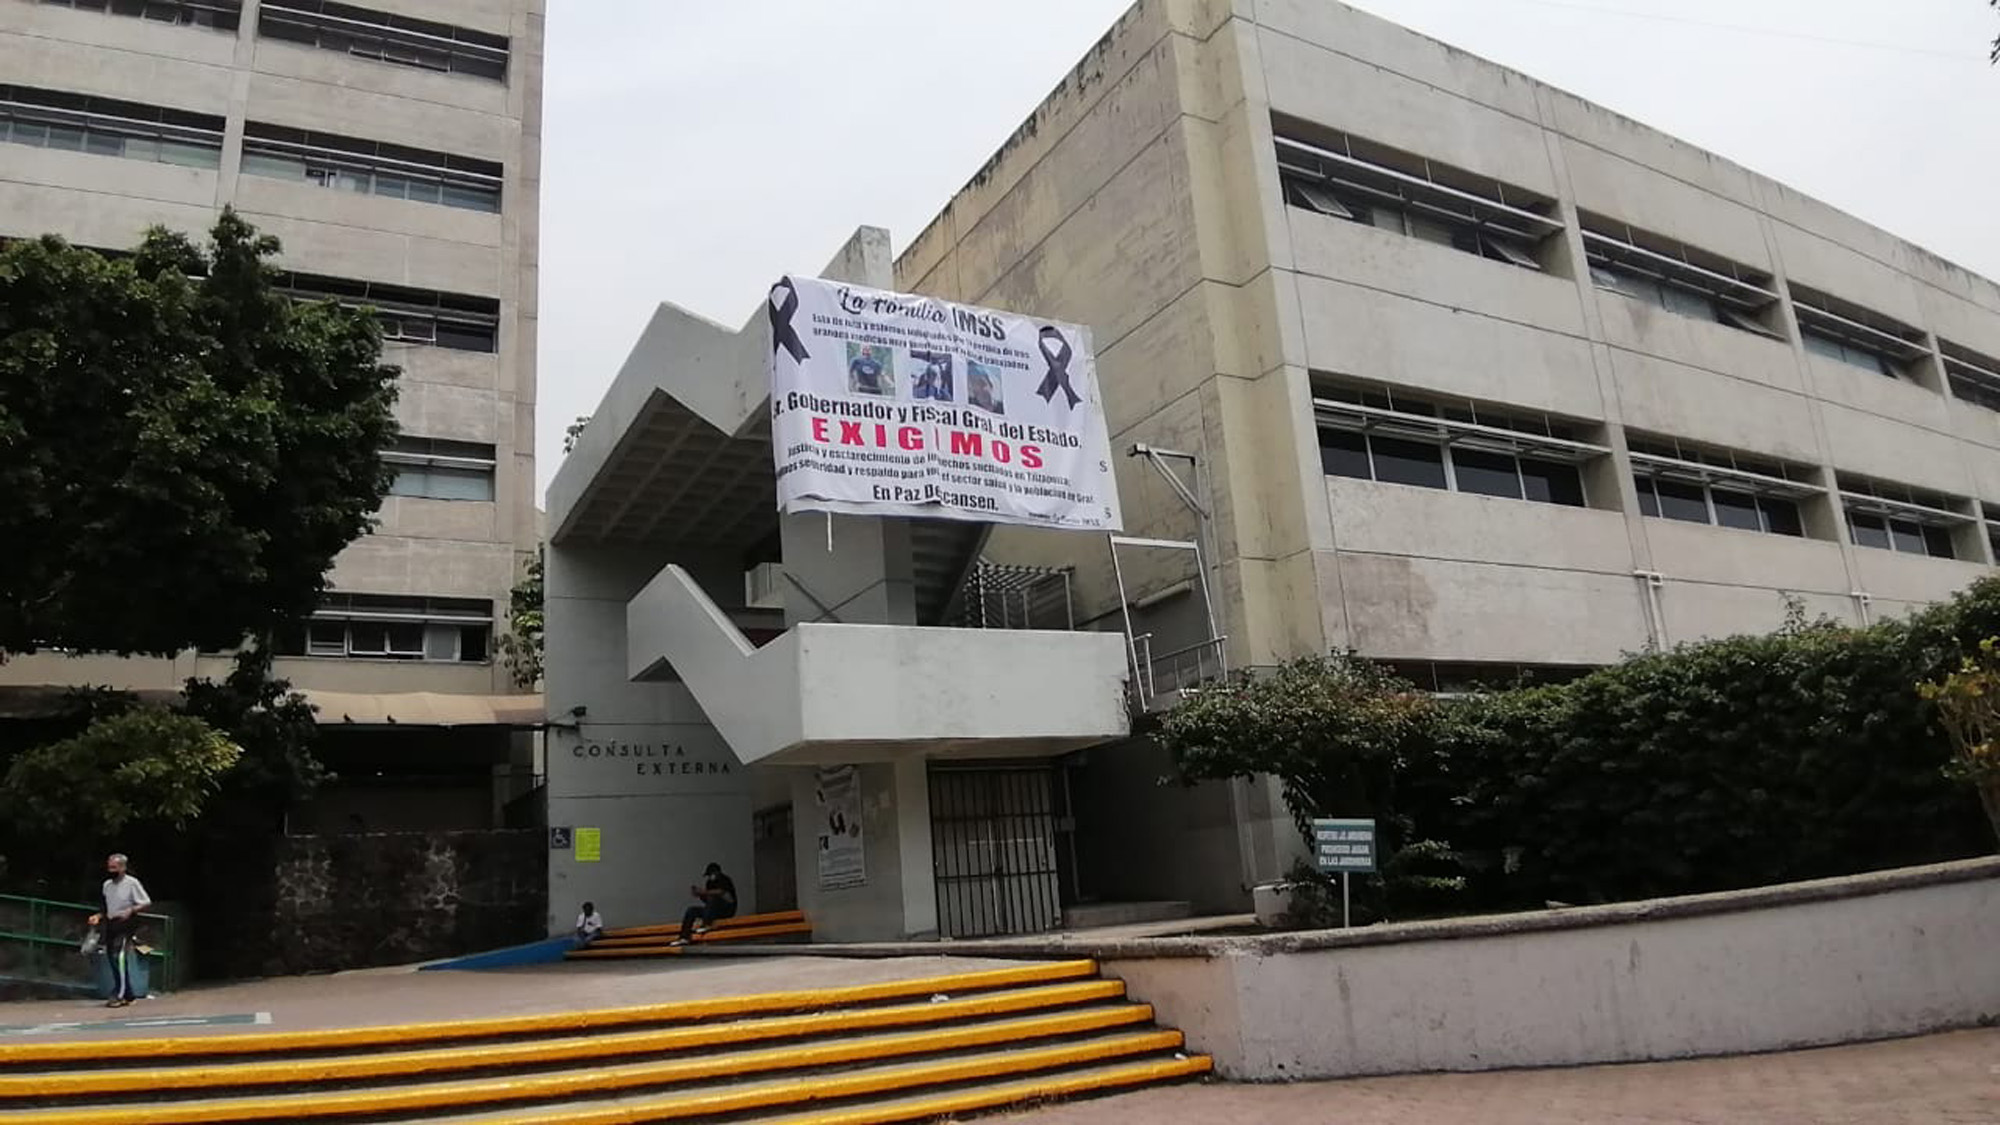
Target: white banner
(895, 405)
(842, 860)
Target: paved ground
(402, 995)
(1950, 1079)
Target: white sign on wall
(842, 862)
(889, 404)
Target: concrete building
(1468, 374)
(394, 148)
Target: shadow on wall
(356, 901)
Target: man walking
(717, 895)
(124, 898)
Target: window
(371, 167)
(1391, 438)
(1445, 678)
(369, 34)
(223, 15)
(1974, 378)
(1698, 484)
(380, 627)
(437, 469)
(409, 316)
(1352, 179)
(1896, 517)
(1852, 354)
(1993, 528)
(1850, 334)
(107, 127)
(1676, 277)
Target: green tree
(143, 765)
(183, 449)
(522, 644)
(1968, 703)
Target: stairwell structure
(707, 655)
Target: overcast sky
(666, 121)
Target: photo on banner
(842, 860)
(897, 405)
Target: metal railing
(39, 938)
(1179, 670)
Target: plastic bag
(91, 941)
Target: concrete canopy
(679, 450)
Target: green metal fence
(39, 938)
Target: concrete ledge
(1871, 956)
(1808, 964)
(1197, 945)
(1536, 921)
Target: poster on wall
(841, 860)
(895, 405)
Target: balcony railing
(1175, 672)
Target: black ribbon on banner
(783, 335)
(1058, 358)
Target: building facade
(394, 148)
(1480, 373)
(1433, 362)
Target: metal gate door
(993, 845)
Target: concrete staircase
(658, 940)
(910, 1050)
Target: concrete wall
(1143, 197)
(1140, 841)
(1422, 575)
(1867, 957)
(898, 895)
(642, 763)
(435, 548)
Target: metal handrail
(1177, 660)
(42, 936)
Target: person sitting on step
(589, 925)
(716, 900)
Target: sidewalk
(1947, 1079)
(403, 995)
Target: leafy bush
(138, 766)
(1968, 703)
(1724, 764)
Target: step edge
(582, 1052)
(707, 1008)
(771, 1088)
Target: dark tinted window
(1408, 462)
(1783, 516)
(1552, 482)
(1488, 474)
(1937, 540)
(1681, 501)
(1869, 531)
(1736, 509)
(1343, 454)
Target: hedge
(1713, 766)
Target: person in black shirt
(717, 895)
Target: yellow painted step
(902, 1079)
(550, 1052)
(669, 929)
(653, 946)
(548, 1023)
(1064, 1084)
(709, 935)
(447, 1096)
